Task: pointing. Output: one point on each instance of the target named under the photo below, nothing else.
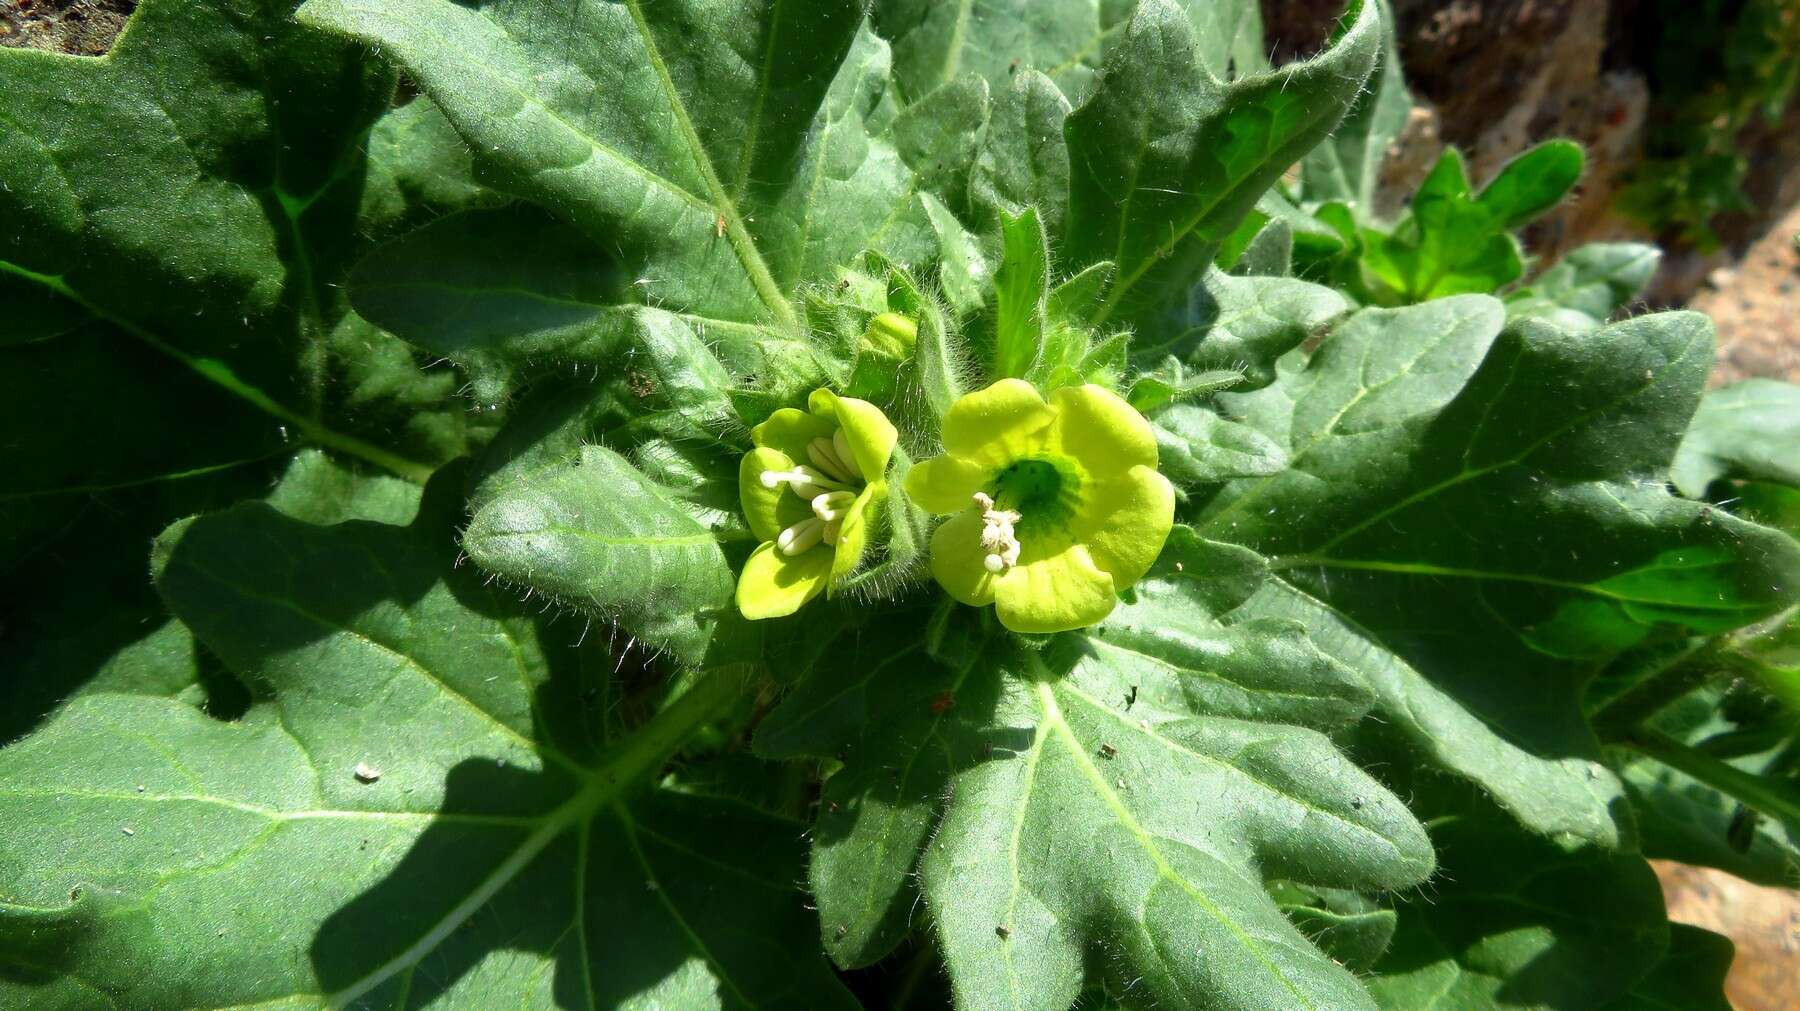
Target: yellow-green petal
(998, 424)
(1055, 594)
(1097, 427)
(775, 585)
(945, 484)
(790, 430)
(868, 431)
(1124, 521)
(956, 559)
(768, 510)
(853, 535)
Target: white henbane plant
(775, 504)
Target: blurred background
(1687, 111)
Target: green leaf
(1533, 183)
(1110, 787)
(1350, 927)
(595, 534)
(1196, 446)
(998, 39)
(702, 169)
(1167, 161)
(1749, 429)
(1243, 324)
(1021, 292)
(1024, 158)
(1589, 286)
(1517, 921)
(1456, 242)
(482, 856)
(1486, 505)
(1171, 382)
(1691, 977)
(1347, 167)
(1684, 820)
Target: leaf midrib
(1147, 842)
(741, 242)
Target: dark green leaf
(1494, 517)
(1519, 922)
(1166, 161)
(1691, 977)
(1063, 770)
(1347, 167)
(411, 819)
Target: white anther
(805, 481)
(999, 541)
(832, 505)
(847, 458)
(800, 536)
(824, 456)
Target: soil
(81, 27)
(1756, 305)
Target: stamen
(832, 505)
(803, 480)
(800, 536)
(998, 539)
(833, 530)
(842, 445)
(824, 456)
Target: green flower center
(1044, 491)
(1032, 497)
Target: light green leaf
(998, 39)
(1167, 161)
(1589, 286)
(1021, 295)
(595, 534)
(1196, 446)
(1242, 324)
(1750, 429)
(1456, 242)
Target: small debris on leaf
(1108, 751)
(366, 773)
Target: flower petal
(1124, 521)
(853, 536)
(769, 510)
(1053, 594)
(997, 425)
(870, 434)
(774, 585)
(957, 559)
(946, 484)
(1097, 427)
(789, 430)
